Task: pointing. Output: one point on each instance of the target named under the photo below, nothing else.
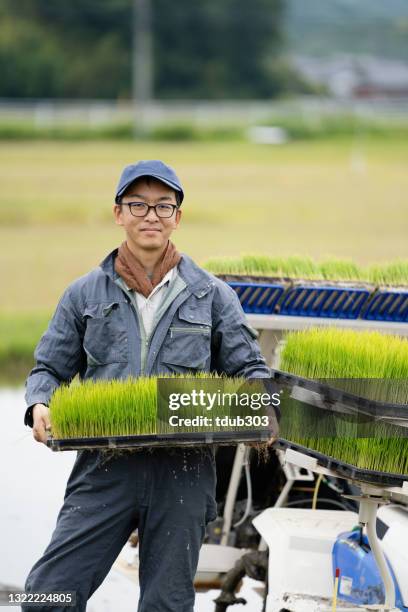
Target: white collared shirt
(148, 306)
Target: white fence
(247, 112)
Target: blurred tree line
(202, 49)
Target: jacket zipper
(147, 344)
(195, 330)
(143, 339)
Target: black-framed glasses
(140, 209)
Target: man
(146, 310)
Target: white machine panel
(395, 542)
(300, 545)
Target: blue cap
(151, 167)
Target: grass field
(19, 334)
(334, 198)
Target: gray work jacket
(96, 332)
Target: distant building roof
(350, 76)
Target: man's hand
(41, 423)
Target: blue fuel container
(360, 580)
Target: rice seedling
(262, 265)
(330, 269)
(394, 273)
(226, 265)
(342, 269)
(338, 353)
(138, 406)
(301, 267)
(104, 408)
(367, 364)
(289, 267)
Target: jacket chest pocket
(188, 342)
(105, 339)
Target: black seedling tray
(345, 469)
(332, 395)
(170, 439)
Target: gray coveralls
(168, 494)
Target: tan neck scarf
(134, 274)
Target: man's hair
(148, 180)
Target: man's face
(151, 232)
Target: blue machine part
(258, 298)
(388, 305)
(324, 301)
(360, 580)
(305, 300)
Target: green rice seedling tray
(346, 470)
(156, 440)
(152, 411)
(345, 396)
(333, 397)
(334, 401)
(296, 266)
